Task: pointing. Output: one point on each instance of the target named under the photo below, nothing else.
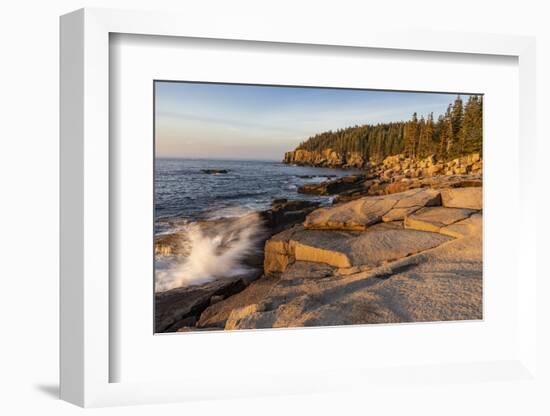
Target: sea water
(185, 194)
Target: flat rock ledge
(345, 249)
(439, 284)
(405, 257)
(409, 256)
(435, 218)
(361, 213)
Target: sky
(231, 121)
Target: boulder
(397, 187)
(216, 315)
(352, 194)
(176, 308)
(471, 198)
(378, 188)
(284, 213)
(359, 214)
(434, 218)
(169, 245)
(214, 171)
(314, 176)
(354, 215)
(477, 167)
(335, 186)
(345, 249)
(418, 197)
(278, 253)
(435, 182)
(239, 313)
(434, 170)
(415, 200)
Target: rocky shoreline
(402, 242)
(327, 158)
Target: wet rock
(216, 298)
(214, 171)
(351, 195)
(186, 323)
(216, 315)
(334, 186)
(285, 213)
(174, 308)
(169, 245)
(357, 192)
(315, 176)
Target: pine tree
(411, 136)
(446, 134)
(471, 133)
(457, 115)
(426, 136)
(455, 133)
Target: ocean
(214, 215)
(184, 192)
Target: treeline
(453, 134)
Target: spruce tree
(472, 126)
(455, 133)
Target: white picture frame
(85, 209)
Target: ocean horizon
(185, 191)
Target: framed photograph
(374, 217)
(293, 213)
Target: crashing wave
(216, 250)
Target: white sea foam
(216, 251)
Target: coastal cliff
(325, 158)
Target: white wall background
(29, 57)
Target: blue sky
(227, 121)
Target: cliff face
(325, 158)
